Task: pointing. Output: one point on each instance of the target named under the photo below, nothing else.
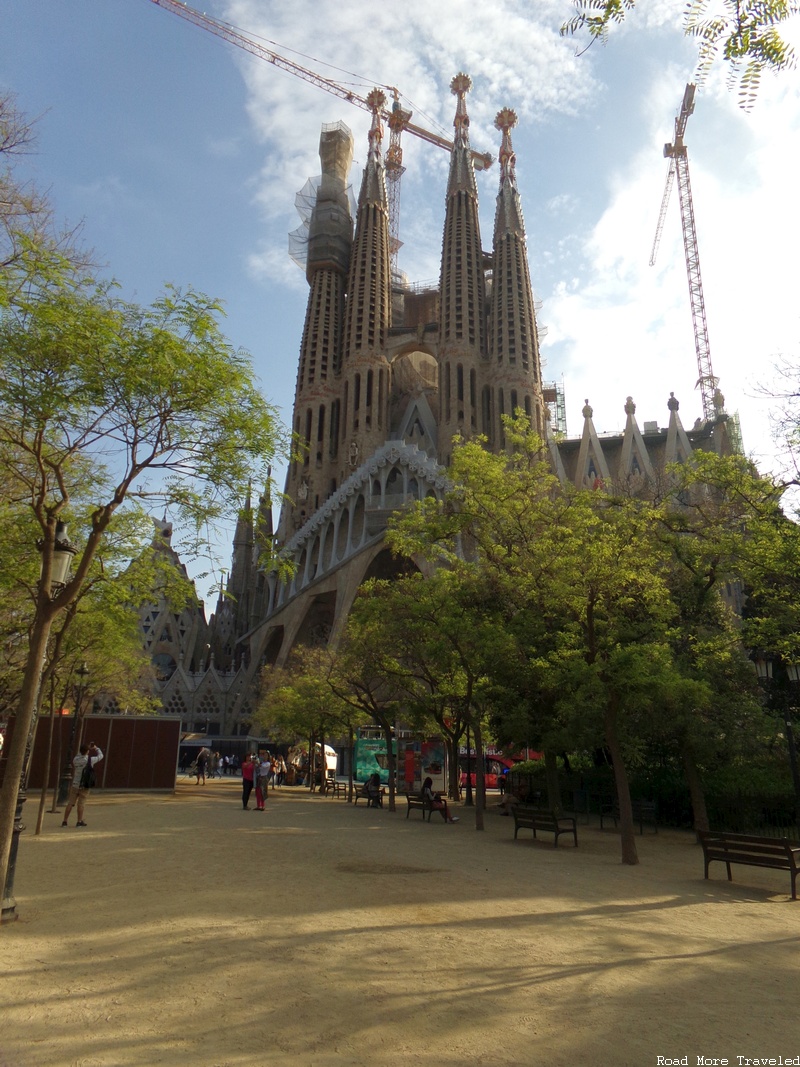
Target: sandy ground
(182, 930)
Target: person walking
(248, 772)
(261, 776)
(82, 780)
(281, 776)
(202, 762)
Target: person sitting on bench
(436, 800)
(373, 791)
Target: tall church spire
(369, 285)
(462, 326)
(316, 404)
(365, 370)
(515, 368)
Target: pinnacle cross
(460, 86)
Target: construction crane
(679, 165)
(398, 119)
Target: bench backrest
(750, 844)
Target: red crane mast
(679, 166)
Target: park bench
(644, 811)
(374, 802)
(415, 800)
(778, 853)
(336, 789)
(538, 819)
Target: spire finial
(377, 101)
(460, 86)
(505, 121)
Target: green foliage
(612, 628)
(304, 699)
(597, 16)
(745, 35)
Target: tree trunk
(312, 761)
(480, 777)
(391, 763)
(627, 833)
(24, 723)
(453, 769)
(59, 756)
(696, 792)
(323, 755)
(553, 785)
(352, 744)
(48, 770)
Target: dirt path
(182, 930)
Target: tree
(299, 701)
(745, 34)
(713, 528)
(438, 644)
(364, 676)
(578, 580)
(146, 404)
(28, 235)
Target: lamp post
(66, 775)
(63, 551)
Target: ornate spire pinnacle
(508, 218)
(377, 101)
(373, 186)
(460, 86)
(505, 121)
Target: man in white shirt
(82, 780)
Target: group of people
(208, 764)
(260, 772)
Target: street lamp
(66, 775)
(763, 667)
(63, 551)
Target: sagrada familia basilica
(389, 373)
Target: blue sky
(181, 157)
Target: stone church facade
(388, 374)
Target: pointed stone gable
(678, 448)
(635, 461)
(592, 469)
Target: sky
(180, 156)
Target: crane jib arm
(482, 161)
